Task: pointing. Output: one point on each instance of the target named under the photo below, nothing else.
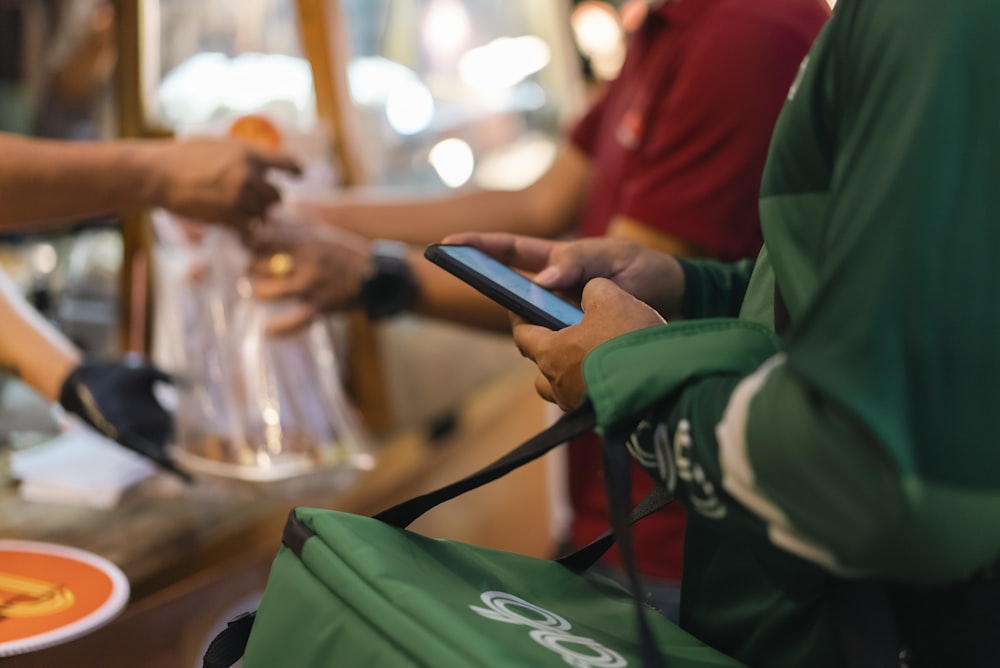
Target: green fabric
(868, 446)
(368, 594)
(889, 150)
(758, 302)
(714, 289)
(633, 372)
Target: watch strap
(390, 288)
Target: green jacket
(861, 442)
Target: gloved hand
(116, 398)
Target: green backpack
(348, 590)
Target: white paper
(78, 467)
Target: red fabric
(678, 143)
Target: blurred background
(415, 96)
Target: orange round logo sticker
(256, 130)
(51, 593)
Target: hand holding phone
(505, 286)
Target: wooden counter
(198, 556)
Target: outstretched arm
(548, 207)
(325, 268)
(45, 181)
(114, 397)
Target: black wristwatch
(390, 287)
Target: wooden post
(322, 31)
(134, 306)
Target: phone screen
(498, 281)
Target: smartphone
(504, 285)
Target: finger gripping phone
(505, 286)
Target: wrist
(144, 179)
(61, 371)
(389, 287)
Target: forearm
(46, 181)
(547, 208)
(792, 471)
(445, 297)
(773, 454)
(768, 456)
(419, 220)
(30, 346)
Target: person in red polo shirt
(670, 156)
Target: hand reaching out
(217, 180)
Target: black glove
(116, 398)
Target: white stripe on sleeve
(738, 478)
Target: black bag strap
(618, 488)
(584, 557)
(566, 427)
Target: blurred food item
(221, 448)
(257, 130)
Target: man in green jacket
(829, 418)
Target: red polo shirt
(678, 143)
